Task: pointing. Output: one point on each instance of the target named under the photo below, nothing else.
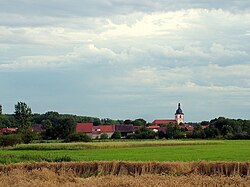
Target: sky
(126, 59)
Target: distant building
(95, 131)
(179, 115)
(179, 118)
(8, 130)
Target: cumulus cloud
(139, 53)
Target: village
(158, 125)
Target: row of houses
(124, 129)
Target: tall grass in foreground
(87, 169)
(46, 177)
(110, 144)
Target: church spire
(179, 110)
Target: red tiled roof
(187, 126)
(163, 121)
(136, 128)
(7, 130)
(107, 128)
(84, 127)
(154, 127)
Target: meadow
(155, 150)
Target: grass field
(161, 150)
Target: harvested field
(88, 169)
(46, 177)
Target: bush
(78, 137)
(143, 133)
(104, 136)
(10, 140)
(28, 136)
(116, 135)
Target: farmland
(127, 163)
(161, 150)
(126, 174)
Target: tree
(116, 135)
(104, 136)
(139, 122)
(198, 132)
(128, 121)
(23, 115)
(144, 133)
(78, 137)
(1, 109)
(173, 131)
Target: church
(179, 118)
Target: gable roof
(163, 121)
(8, 130)
(84, 127)
(187, 127)
(124, 128)
(153, 127)
(107, 128)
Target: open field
(127, 174)
(41, 178)
(165, 150)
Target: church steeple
(179, 111)
(179, 115)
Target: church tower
(179, 115)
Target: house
(8, 130)
(162, 122)
(187, 127)
(107, 129)
(85, 127)
(124, 129)
(154, 128)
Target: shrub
(28, 136)
(116, 135)
(10, 140)
(104, 136)
(78, 137)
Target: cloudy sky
(127, 59)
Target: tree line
(60, 126)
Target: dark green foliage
(139, 122)
(198, 132)
(1, 109)
(23, 115)
(161, 135)
(116, 135)
(28, 136)
(128, 121)
(104, 136)
(173, 131)
(10, 140)
(78, 137)
(143, 133)
(211, 132)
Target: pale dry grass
(99, 168)
(49, 178)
